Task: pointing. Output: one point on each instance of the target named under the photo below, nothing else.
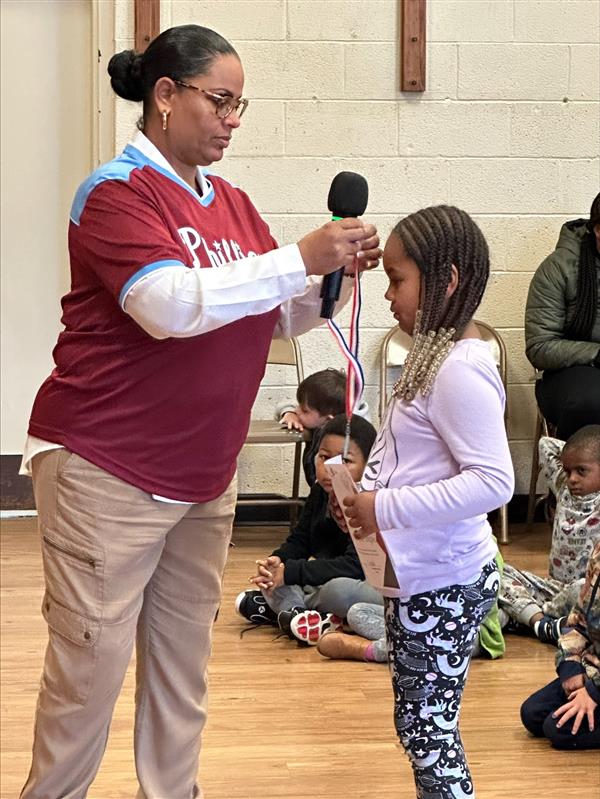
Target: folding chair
(394, 349)
(542, 428)
(285, 352)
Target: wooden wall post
(413, 17)
(147, 23)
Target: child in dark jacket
(308, 583)
(567, 710)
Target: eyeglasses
(224, 105)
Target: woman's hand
(291, 421)
(344, 243)
(580, 705)
(266, 571)
(360, 509)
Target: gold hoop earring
(165, 120)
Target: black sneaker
(253, 606)
(284, 620)
(549, 630)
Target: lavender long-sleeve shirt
(439, 465)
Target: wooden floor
(285, 723)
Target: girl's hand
(580, 705)
(360, 509)
(265, 571)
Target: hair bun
(125, 70)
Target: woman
(562, 327)
(177, 290)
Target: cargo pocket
(72, 652)
(74, 575)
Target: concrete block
(519, 243)
(372, 72)
(584, 72)
(126, 117)
(236, 19)
(555, 130)
(551, 21)
(521, 411)
(340, 20)
(283, 185)
(521, 452)
(293, 70)
(529, 240)
(503, 185)
(454, 129)
(124, 20)
(398, 186)
(504, 300)
(261, 131)
(356, 129)
(506, 72)
(518, 367)
(579, 182)
(470, 21)
(275, 224)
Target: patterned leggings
(430, 639)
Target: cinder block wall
(508, 129)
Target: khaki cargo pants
(121, 566)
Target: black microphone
(348, 196)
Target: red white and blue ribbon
(355, 379)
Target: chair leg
(503, 513)
(535, 470)
(296, 484)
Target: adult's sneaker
(253, 606)
(310, 626)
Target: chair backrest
(496, 344)
(286, 352)
(395, 347)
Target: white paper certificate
(372, 554)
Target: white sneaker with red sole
(310, 626)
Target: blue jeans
(536, 715)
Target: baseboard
(16, 494)
(16, 491)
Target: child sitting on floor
(567, 710)
(573, 473)
(368, 642)
(308, 583)
(320, 397)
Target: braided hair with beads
(436, 239)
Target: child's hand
(291, 421)
(580, 705)
(265, 572)
(360, 509)
(337, 513)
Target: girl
(439, 464)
